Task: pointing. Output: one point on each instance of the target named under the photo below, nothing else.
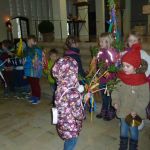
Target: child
(8, 71)
(33, 67)
(70, 109)
(52, 57)
(108, 56)
(134, 38)
(74, 52)
(22, 88)
(131, 96)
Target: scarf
(132, 79)
(72, 51)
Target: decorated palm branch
(20, 48)
(93, 85)
(113, 24)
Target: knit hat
(133, 57)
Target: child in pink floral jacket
(70, 109)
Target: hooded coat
(70, 108)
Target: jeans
(70, 143)
(106, 100)
(125, 129)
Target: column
(127, 18)
(4, 15)
(148, 26)
(60, 19)
(83, 27)
(100, 16)
(50, 11)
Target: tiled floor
(27, 127)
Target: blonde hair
(108, 37)
(136, 35)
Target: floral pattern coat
(70, 108)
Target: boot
(102, 114)
(123, 143)
(133, 145)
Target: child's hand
(86, 97)
(133, 114)
(116, 106)
(106, 75)
(24, 77)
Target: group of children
(22, 72)
(11, 68)
(129, 97)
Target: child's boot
(36, 100)
(133, 145)
(102, 114)
(123, 143)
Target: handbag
(54, 115)
(54, 110)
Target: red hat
(133, 57)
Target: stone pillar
(100, 16)
(127, 18)
(83, 27)
(4, 15)
(60, 19)
(148, 26)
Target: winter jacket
(131, 99)
(108, 57)
(70, 109)
(48, 72)
(33, 62)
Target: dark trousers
(19, 80)
(35, 86)
(9, 78)
(106, 100)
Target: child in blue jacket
(33, 68)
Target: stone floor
(27, 127)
